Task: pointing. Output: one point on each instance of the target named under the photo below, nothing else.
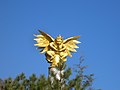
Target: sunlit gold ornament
(56, 49)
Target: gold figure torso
(56, 53)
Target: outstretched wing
(43, 40)
(70, 44)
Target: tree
(53, 82)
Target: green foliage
(80, 82)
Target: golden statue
(56, 49)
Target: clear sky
(96, 21)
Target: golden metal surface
(56, 49)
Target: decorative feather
(70, 44)
(43, 41)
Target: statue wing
(43, 40)
(70, 44)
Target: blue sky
(96, 21)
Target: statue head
(59, 40)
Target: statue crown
(59, 37)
